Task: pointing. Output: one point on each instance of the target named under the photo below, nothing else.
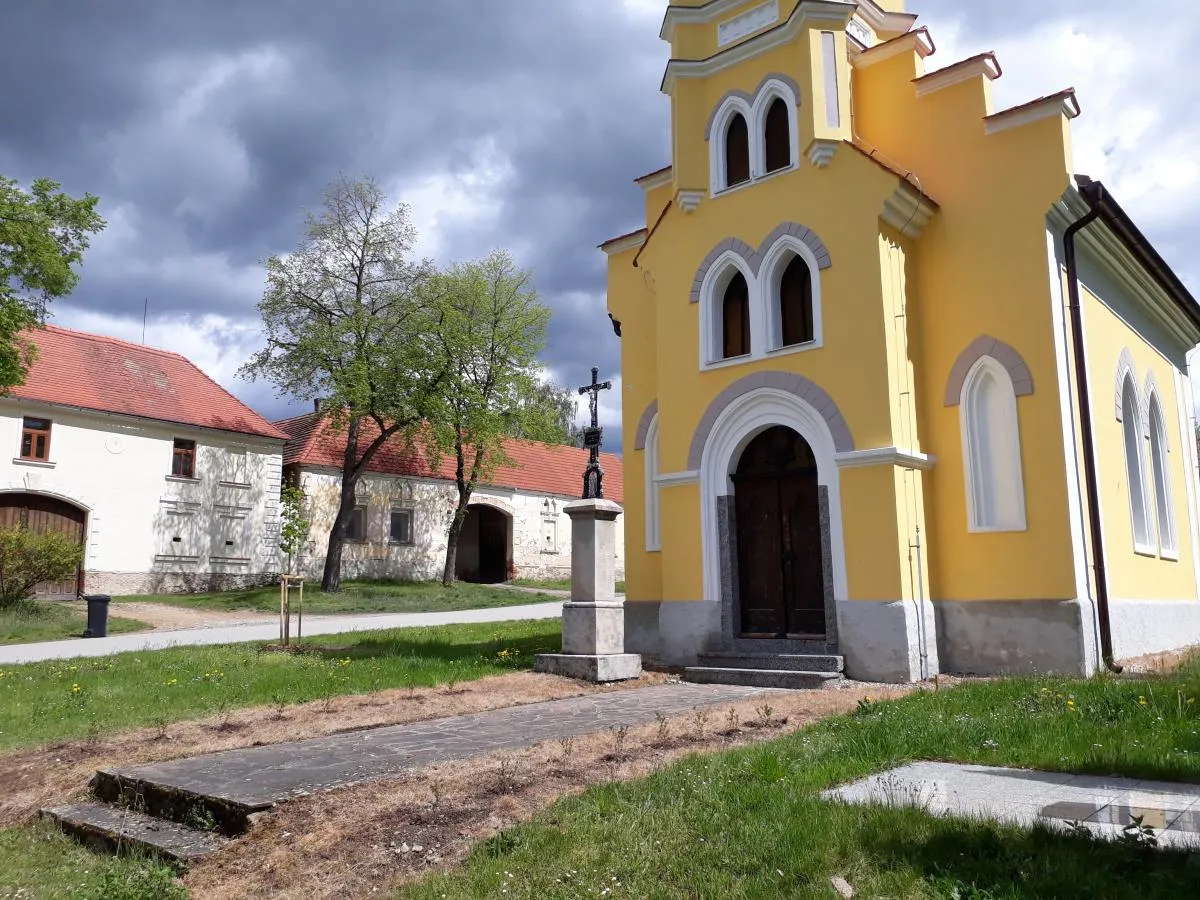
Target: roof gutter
(1085, 424)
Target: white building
(515, 527)
(171, 482)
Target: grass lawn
(555, 584)
(749, 823)
(355, 597)
(39, 862)
(61, 699)
(50, 620)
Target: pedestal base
(595, 667)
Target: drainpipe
(1085, 423)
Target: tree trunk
(452, 535)
(331, 578)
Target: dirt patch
(1158, 663)
(377, 836)
(30, 779)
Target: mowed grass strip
(750, 823)
(556, 584)
(63, 699)
(355, 597)
(48, 620)
(40, 862)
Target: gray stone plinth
(593, 550)
(593, 628)
(590, 667)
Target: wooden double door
(39, 513)
(779, 541)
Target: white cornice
(689, 201)
(883, 23)
(832, 12)
(985, 65)
(1061, 104)
(821, 150)
(625, 242)
(885, 456)
(656, 180)
(907, 210)
(1111, 255)
(917, 41)
(673, 479)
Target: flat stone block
(597, 668)
(593, 628)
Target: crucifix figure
(593, 475)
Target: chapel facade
(901, 389)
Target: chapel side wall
(980, 270)
(119, 470)
(432, 503)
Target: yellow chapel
(902, 392)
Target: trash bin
(97, 621)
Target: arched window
(795, 303)
(1135, 466)
(735, 318)
(1162, 480)
(992, 449)
(737, 151)
(778, 136)
(650, 458)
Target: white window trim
(650, 465)
(770, 273)
(1007, 446)
(773, 90)
(718, 174)
(712, 296)
(1168, 534)
(1135, 422)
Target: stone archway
(40, 512)
(484, 554)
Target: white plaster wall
(119, 470)
(433, 505)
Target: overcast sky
(206, 128)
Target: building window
(400, 527)
(777, 136)
(35, 439)
(1135, 467)
(650, 459)
(735, 318)
(356, 528)
(183, 459)
(796, 303)
(737, 151)
(992, 449)
(1162, 481)
(549, 535)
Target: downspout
(1085, 426)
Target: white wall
(119, 471)
(535, 517)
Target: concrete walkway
(232, 634)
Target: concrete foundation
(1010, 637)
(593, 628)
(596, 668)
(887, 641)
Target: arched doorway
(484, 546)
(781, 580)
(41, 513)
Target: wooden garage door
(41, 514)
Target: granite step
(163, 800)
(761, 678)
(785, 662)
(114, 829)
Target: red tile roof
(90, 371)
(537, 467)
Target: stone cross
(593, 475)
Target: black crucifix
(593, 475)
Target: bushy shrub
(28, 558)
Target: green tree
(43, 233)
(349, 319)
(548, 414)
(492, 327)
(294, 524)
(27, 558)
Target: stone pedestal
(593, 619)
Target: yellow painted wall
(1132, 575)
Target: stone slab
(1101, 805)
(593, 628)
(113, 829)
(590, 667)
(259, 777)
(787, 679)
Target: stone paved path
(232, 634)
(259, 777)
(1104, 806)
